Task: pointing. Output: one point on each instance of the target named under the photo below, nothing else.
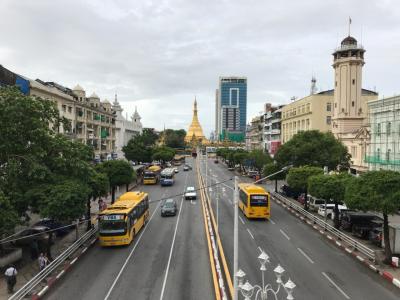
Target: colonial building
(92, 121)
(313, 112)
(350, 109)
(272, 128)
(254, 138)
(384, 147)
(125, 129)
(195, 133)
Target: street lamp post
(247, 290)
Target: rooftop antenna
(349, 24)
(313, 89)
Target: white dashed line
(335, 285)
(248, 230)
(284, 234)
(259, 248)
(241, 220)
(305, 255)
(348, 250)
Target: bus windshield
(112, 225)
(258, 200)
(149, 175)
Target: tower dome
(349, 41)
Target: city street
(167, 260)
(318, 268)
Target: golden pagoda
(195, 133)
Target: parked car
(289, 192)
(359, 223)
(176, 170)
(25, 237)
(231, 169)
(60, 228)
(169, 207)
(190, 193)
(253, 174)
(216, 161)
(329, 209)
(187, 168)
(375, 236)
(314, 203)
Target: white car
(176, 170)
(190, 193)
(329, 209)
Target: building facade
(384, 147)
(231, 108)
(92, 121)
(272, 128)
(313, 112)
(254, 138)
(125, 129)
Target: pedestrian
(46, 260)
(42, 261)
(11, 278)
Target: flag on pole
(349, 20)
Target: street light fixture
(247, 290)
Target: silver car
(168, 208)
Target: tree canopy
(376, 191)
(259, 159)
(313, 148)
(175, 138)
(163, 154)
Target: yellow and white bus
(254, 201)
(120, 222)
(151, 175)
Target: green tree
(239, 158)
(8, 217)
(259, 159)
(119, 172)
(376, 191)
(163, 154)
(271, 168)
(175, 138)
(297, 178)
(329, 187)
(313, 148)
(149, 137)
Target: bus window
(243, 197)
(258, 200)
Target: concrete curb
(52, 280)
(385, 274)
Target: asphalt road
(167, 260)
(318, 268)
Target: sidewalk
(27, 270)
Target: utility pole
(235, 240)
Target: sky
(159, 55)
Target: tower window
(335, 83)
(328, 106)
(328, 120)
(335, 105)
(354, 81)
(352, 103)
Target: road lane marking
(241, 220)
(305, 255)
(259, 248)
(130, 254)
(335, 285)
(248, 230)
(272, 221)
(284, 234)
(172, 246)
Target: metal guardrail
(370, 253)
(35, 281)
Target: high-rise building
(231, 108)
(272, 128)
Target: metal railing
(360, 247)
(42, 275)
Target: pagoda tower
(195, 133)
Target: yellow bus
(254, 201)
(151, 175)
(120, 222)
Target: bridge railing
(358, 246)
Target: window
(354, 81)
(378, 154)
(328, 120)
(335, 83)
(328, 106)
(352, 103)
(69, 109)
(308, 124)
(353, 151)
(243, 197)
(378, 130)
(388, 155)
(64, 108)
(335, 105)
(388, 128)
(308, 107)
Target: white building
(125, 129)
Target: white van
(329, 209)
(314, 203)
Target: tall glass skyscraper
(231, 108)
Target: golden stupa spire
(195, 132)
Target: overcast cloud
(159, 54)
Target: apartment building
(272, 128)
